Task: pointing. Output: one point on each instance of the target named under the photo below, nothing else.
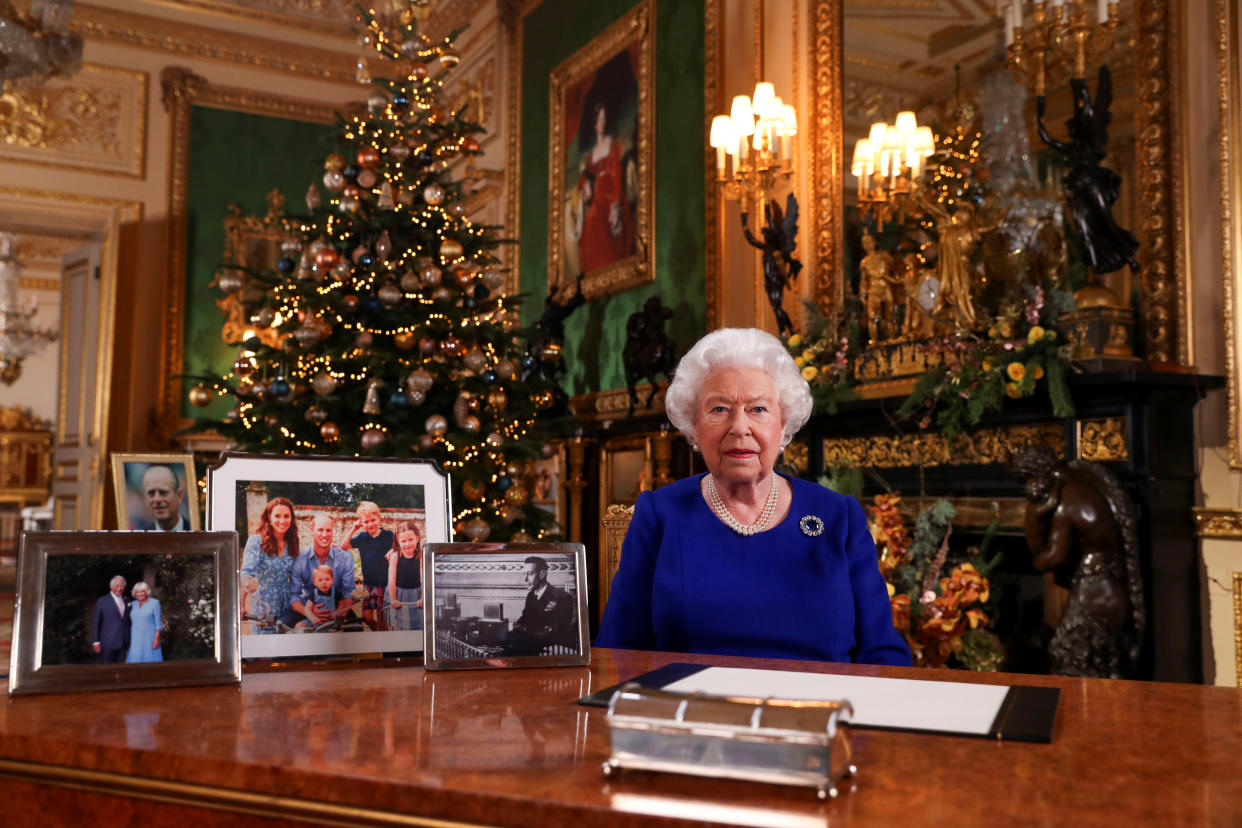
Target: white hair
(745, 348)
(116, 578)
(141, 586)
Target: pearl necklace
(722, 511)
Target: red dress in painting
(599, 245)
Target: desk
(397, 746)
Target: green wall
(595, 333)
(235, 157)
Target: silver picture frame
(63, 584)
(241, 486)
(503, 605)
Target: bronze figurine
(780, 268)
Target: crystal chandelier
(38, 45)
(18, 338)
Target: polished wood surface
(392, 744)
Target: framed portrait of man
(155, 492)
(601, 133)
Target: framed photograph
(155, 492)
(505, 605)
(116, 610)
(601, 161)
(330, 549)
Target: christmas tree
(383, 330)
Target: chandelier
(18, 338)
(38, 45)
(889, 163)
(1058, 34)
(757, 138)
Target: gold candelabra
(889, 164)
(1058, 33)
(754, 144)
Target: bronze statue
(1080, 526)
(780, 268)
(648, 351)
(1091, 188)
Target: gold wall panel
(95, 120)
(827, 166)
(1103, 440)
(1229, 100)
(980, 447)
(1225, 524)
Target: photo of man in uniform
(548, 617)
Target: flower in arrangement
(1035, 334)
(1011, 390)
(794, 341)
(1016, 371)
(809, 372)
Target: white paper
(906, 704)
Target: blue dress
(272, 573)
(144, 621)
(688, 583)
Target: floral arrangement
(825, 356)
(942, 617)
(1018, 356)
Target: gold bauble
(473, 489)
(405, 340)
(450, 250)
(200, 395)
(516, 495)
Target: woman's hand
(396, 604)
(419, 603)
(155, 645)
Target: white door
(81, 424)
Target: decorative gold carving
(1164, 289)
(182, 89)
(1237, 628)
(512, 22)
(608, 405)
(477, 90)
(714, 235)
(95, 120)
(37, 251)
(1103, 440)
(329, 17)
(639, 268)
(827, 166)
(98, 24)
(449, 15)
(35, 283)
(615, 523)
(1225, 524)
(798, 456)
(982, 446)
(1229, 96)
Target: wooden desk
(397, 746)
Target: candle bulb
(1102, 11)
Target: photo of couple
(128, 609)
(327, 558)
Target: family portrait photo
(121, 610)
(512, 604)
(155, 492)
(601, 135)
(335, 565)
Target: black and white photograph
(95, 606)
(505, 605)
(331, 550)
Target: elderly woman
(146, 626)
(742, 560)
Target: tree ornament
(416, 397)
(404, 340)
(367, 179)
(448, 58)
(349, 303)
(521, 537)
(471, 424)
(427, 346)
(280, 388)
(457, 209)
(450, 346)
(489, 376)
(405, 196)
(326, 258)
(410, 282)
(333, 181)
(474, 360)
(316, 415)
(497, 399)
(410, 49)
(508, 514)
(313, 199)
(368, 157)
(323, 383)
(307, 336)
(426, 442)
(363, 340)
(442, 294)
(343, 270)
(492, 279)
(389, 294)
(436, 425)
(506, 369)
(430, 275)
(550, 352)
(335, 162)
(503, 483)
(419, 380)
(399, 400)
(264, 317)
(383, 246)
(351, 191)
(244, 366)
(423, 159)
(450, 250)
(469, 145)
(376, 102)
(433, 194)
(476, 529)
(372, 438)
(516, 495)
(258, 389)
(229, 281)
(494, 439)
(400, 152)
(371, 406)
(464, 278)
(385, 197)
(200, 395)
(542, 399)
(473, 489)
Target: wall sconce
(889, 163)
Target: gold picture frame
(133, 510)
(601, 212)
(67, 638)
